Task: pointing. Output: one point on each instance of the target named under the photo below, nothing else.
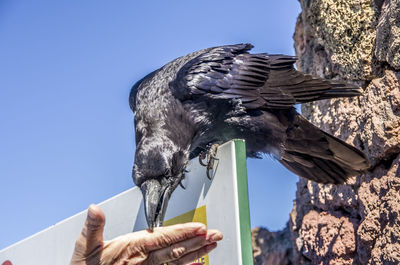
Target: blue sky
(66, 68)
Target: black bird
(221, 93)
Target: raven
(217, 94)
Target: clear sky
(66, 68)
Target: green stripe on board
(243, 196)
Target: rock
(340, 34)
(272, 248)
(378, 235)
(387, 48)
(328, 236)
(358, 222)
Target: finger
(180, 249)
(163, 237)
(93, 228)
(190, 257)
(213, 235)
(176, 251)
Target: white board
(220, 203)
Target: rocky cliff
(358, 222)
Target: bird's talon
(183, 187)
(210, 168)
(202, 156)
(208, 174)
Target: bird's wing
(258, 80)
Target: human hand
(177, 244)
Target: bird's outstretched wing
(258, 80)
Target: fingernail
(214, 237)
(217, 237)
(211, 247)
(201, 230)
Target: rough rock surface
(358, 222)
(387, 42)
(328, 236)
(271, 248)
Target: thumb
(93, 229)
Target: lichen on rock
(345, 30)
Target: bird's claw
(183, 177)
(202, 156)
(211, 157)
(183, 187)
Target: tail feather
(320, 171)
(303, 87)
(318, 156)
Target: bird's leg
(211, 156)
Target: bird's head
(158, 170)
(163, 132)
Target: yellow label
(196, 215)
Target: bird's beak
(156, 195)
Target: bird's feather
(231, 72)
(316, 155)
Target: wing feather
(258, 80)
